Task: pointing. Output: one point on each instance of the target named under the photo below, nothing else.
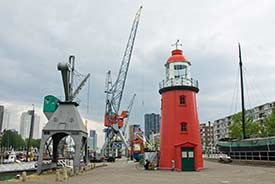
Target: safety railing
(253, 155)
(179, 82)
(244, 155)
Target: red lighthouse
(180, 142)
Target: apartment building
(207, 135)
(258, 114)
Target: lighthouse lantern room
(180, 142)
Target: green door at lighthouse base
(187, 159)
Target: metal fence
(245, 155)
(253, 155)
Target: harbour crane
(129, 109)
(112, 120)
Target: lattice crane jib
(114, 92)
(129, 109)
(119, 85)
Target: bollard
(57, 175)
(18, 176)
(70, 171)
(86, 168)
(76, 171)
(65, 173)
(90, 166)
(173, 165)
(24, 176)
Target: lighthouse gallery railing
(179, 82)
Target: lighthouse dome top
(178, 73)
(177, 56)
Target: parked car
(111, 159)
(225, 158)
(96, 157)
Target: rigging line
(78, 76)
(257, 89)
(88, 95)
(247, 91)
(75, 84)
(254, 89)
(78, 73)
(79, 80)
(234, 93)
(237, 94)
(75, 80)
(233, 97)
(260, 93)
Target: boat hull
(249, 149)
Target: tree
(270, 124)
(35, 143)
(252, 128)
(235, 129)
(11, 138)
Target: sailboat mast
(242, 92)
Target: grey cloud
(35, 36)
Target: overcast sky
(36, 35)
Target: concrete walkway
(122, 172)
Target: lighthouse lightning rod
(177, 44)
(242, 92)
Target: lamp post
(31, 131)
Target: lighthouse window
(167, 71)
(184, 127)
(180, 71)
(182, 100)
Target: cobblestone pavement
(122, 172)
